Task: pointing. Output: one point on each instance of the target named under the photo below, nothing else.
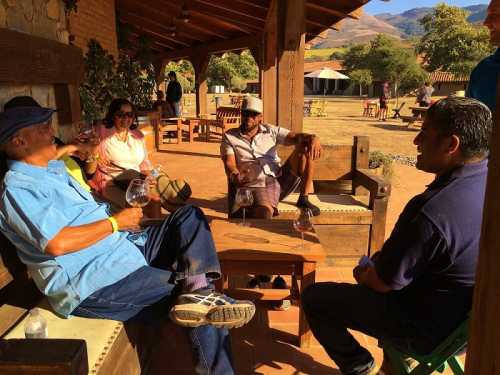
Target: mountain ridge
(400, 26)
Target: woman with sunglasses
(122, 148)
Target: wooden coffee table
(268, 247)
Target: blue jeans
(181, 246)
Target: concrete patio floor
(265, 346)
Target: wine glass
(244, 198)
(302, 223)
(249, 172)
(137, 194)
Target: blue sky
(399, 6)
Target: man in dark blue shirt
(418, 288)
(483, 80)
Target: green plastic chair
(446, 354)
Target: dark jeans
(181, 246)
(332, 308)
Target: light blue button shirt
(36, 204)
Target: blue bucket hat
(17, 118)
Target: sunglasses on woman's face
(124, 114)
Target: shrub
(379, 159)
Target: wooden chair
(318, 108)
(352, 200)
(397, 111)
(307, 108)
(226, 118)
(446, 354)
(168, 131)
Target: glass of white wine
(137, 194)
(302, 223)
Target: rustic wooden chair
(397, 111)
(318, 108)
(226, 118)
(307, 108)
(352, 200)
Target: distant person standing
(424, 95)
(483, 80)
(174, 93)
(385, 95)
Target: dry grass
(344, 121)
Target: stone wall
(43, 18)
(95, 19)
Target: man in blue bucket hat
(87, 262)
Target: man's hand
(314, 148)
(360, 274)
(129, 218)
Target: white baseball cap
(252, 104)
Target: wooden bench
(411, 120)
(352, 200)
(76, 346)
(269, 247)
(225, 118)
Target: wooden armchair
(352, 200)
(225, 119)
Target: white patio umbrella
(326, 73)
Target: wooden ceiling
(176, 26)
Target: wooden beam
(324, 6)
(322, 25)
(263, 4)
(249, 12)
(221, 46)
(200, 64)
(242, 23)
(167, 11)
(269, 73)
(153, 27)
(291, 38)
(32, 60)
(483, 351)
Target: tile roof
(316, 65)
(439, 76)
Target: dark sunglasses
(124, 114)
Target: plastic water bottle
(36, 325)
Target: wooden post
(269, 80)
(483, 354)
(291, 37)
(200, 65)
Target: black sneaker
(303, 202)
(197, 309)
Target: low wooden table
(268, 247)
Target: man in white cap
(483, 80)
(250, 158)
(88, 263)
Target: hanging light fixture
(184, 14)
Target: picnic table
(268, 247)
(419, 111)
(176, 126)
